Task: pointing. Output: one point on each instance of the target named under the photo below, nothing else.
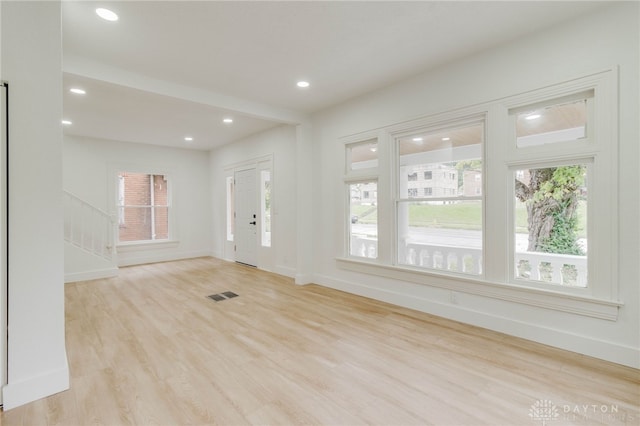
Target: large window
(514, 199)
(551, 196)
(143, 207)
(439, 200)
(551, 224)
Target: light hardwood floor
(150, 348)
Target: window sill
(555, 300)
(146, 245)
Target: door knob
(252, 223)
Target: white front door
(246, 235)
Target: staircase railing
(88, 227)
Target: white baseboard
(20, 393)
(303, 279)
(585, 345)
(144, 258)
(90, 275)
(285, 270)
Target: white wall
(590, 44)
(280, 144)
(31, 63)
(90, 167)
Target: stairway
(89, 241)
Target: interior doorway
(246, 235)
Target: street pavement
(441, 236)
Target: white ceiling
(110, 111)
(170, 69)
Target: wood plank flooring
(149, 348)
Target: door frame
(265, 254)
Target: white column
(304, 213)
(32, 64)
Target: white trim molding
(91, 275)
(304, 279)
(20, 393)
(498, 280)
(558, 301)
(160, 256)
(287, 271)
(561, 339)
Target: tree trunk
(541, 221)
(542, 211)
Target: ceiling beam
(97, 71)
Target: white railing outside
(449, 258)
(364, 247)
(88, 227)
(563, 269)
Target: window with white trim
(561, 121)
(440, 226)
(552, 198)
(363, 219)
(361, 186)
(556, 145)
(551, 224)
(143, 207)
(362, 155)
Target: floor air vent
(222, 296)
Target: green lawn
(465, 215)
(366, 214)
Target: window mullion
(497, 203)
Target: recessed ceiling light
(417, 139)
(77, 91)
(446, 139)
(303, 84)
(66, 122)
(106, 14)
(532, 116)
(373, 148)
(188, 138)
(228, 120)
